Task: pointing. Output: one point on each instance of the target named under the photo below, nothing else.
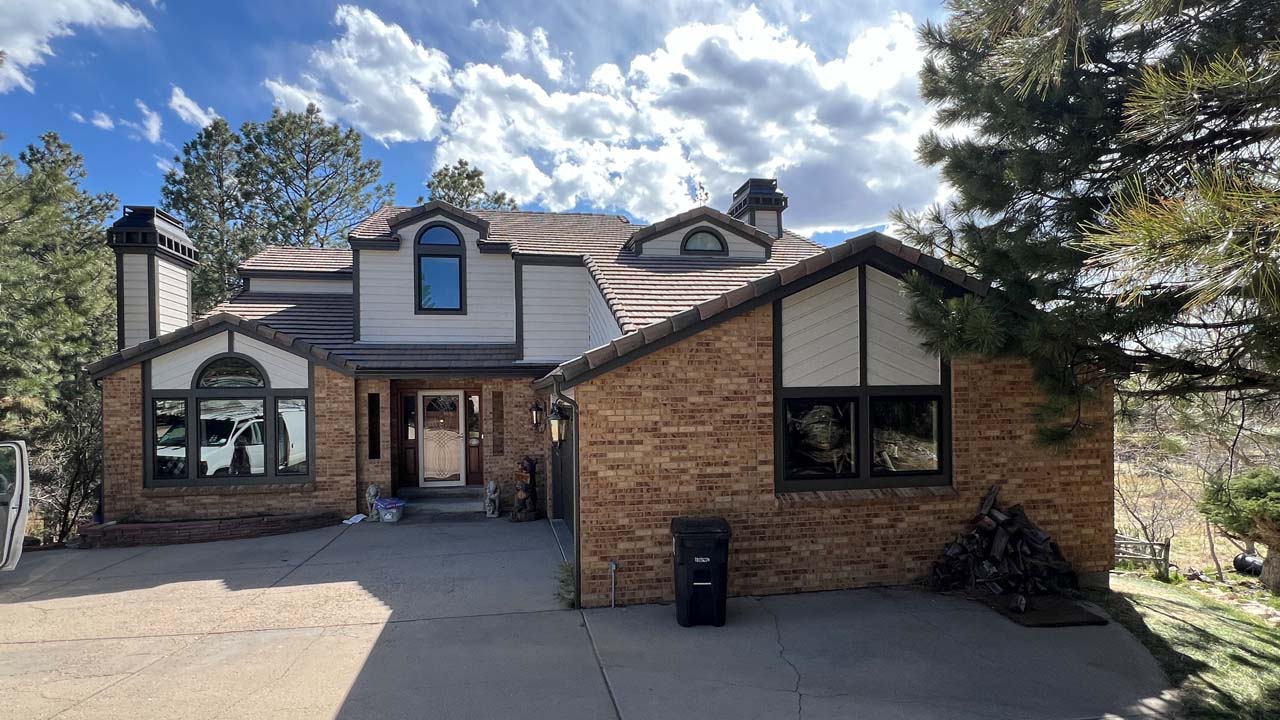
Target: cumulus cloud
(77, 117)
(102, 120)
(373, 76)
(148, 127)
(712, 103)
(533, 49)
(28, 28)
(188, 110)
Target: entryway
(441, 432)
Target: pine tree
(1115, 181)
(462, 185)
(307, 179)
(206, 190)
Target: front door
(562, 479)
(442, 438)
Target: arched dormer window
(703, 241)
(245, 430)
(440, 271)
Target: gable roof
(695, 216)
(453, 212)
(871, 248)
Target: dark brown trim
(439, 207)
(119, 302)
(519, 283)
(380, 244)
(493, 247)
(684, 243)
(511, 371)
(355, 295)
(549, 260)
(153, 298)
(458, 251)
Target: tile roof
(297, 259)
(640, 341)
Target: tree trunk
(1271, 571)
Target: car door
(15, 494)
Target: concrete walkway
(457, 619)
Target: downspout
(577, 495)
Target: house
(710, 363)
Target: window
(838, 425)
(498, 424)
(441, 271)
(703, 242)
(375, 425)
(230, 427)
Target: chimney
(759, 202)
(154, 259)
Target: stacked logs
(1003, 553)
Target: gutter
(577, 496)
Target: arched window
(245, 430)
(441, 265)
(703, 241)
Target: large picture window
(230, 427)
(440, 271)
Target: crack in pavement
(782, 655)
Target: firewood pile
(1003, 553)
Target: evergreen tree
(57, 288)
(462, 185)
(1115, 181)
(307, 180)
(205, 189)
(1248, 507)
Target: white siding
(820, 334)
(137, 319)
(284, 369)
(767, 221)
(556, 327)
(895, 356)
(387, 297)
(173, 292)
(669, 244)
(601, 325)
(173, 370)
(301, 285)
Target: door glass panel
(409, 417)
(473, 420)
(231, 437)
(441, 439)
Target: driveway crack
(782, 655)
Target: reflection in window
(8, 471)
(820, 437)
(291, 436)
(231, 372)
(231, 437)
(904, 434)
(704, 242)
(439, 235)
(473, 420)
(169, 421)
(440, 283)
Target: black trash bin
(700, 547)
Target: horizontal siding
(174, 369)
(284, 369)
(556, 326)
(767, 221)
(299, 285)
(388, 297)
(895, 355)
(173, 295)
(820, 334)
(669, 244)
(601, 324)
(137, 320)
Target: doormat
(1044, 611)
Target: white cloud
(148, 128)
(714, 103)
(188, 110)
(164, 165)
(77, 117)
(102, 120)
(373, 76)
(28, 28)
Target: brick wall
(373, 470)
(333, 489)
(688, 430)
(519, 437)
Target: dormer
(702, 232)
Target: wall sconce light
(537, 415)
(559, 419)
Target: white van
(232, 443)
(15, 496)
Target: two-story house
(709, 363)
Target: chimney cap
(757, 194)
(151, 228)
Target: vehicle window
(8, 470)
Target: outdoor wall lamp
(559, 419)
(536, 413)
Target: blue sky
(621, 107)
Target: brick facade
(373, 470)
(124, 497)
(688, 430)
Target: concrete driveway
(457, 619)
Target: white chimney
(154, 259)
(759, 202)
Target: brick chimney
(759, 202)
(154, 259)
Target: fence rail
(1155, 554)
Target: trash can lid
(699, 526)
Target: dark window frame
(458, 251)
(684, 243)
(862, 394)
(268, 394)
